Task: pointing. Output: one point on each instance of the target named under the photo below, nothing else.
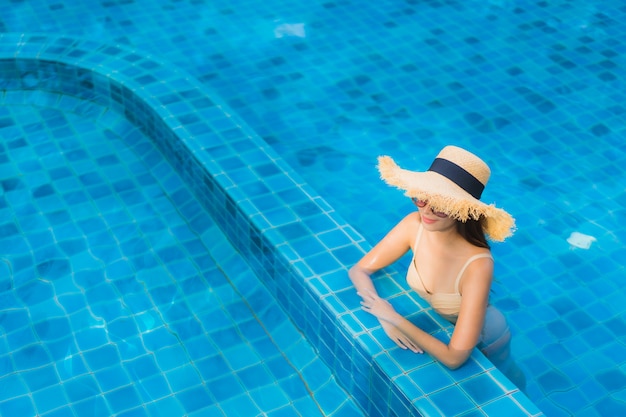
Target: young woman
(452, 267)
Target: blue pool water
(535, 88)
(121, 295)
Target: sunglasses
(423, 203)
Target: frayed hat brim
(444, 195)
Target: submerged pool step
(119, 291)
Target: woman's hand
(399, 338)
(385, 312)
(377, 306)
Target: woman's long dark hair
(472, 231)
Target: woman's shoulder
(479, 260)
(477, 268)
(475, 252)
(411, 221)
(413, 217)
(410, 226)
(469, 253)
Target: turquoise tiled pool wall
(213, 131)
(534, 87)
(217, 134)
(291, 238)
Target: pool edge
(214, 150)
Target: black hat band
(459, 176)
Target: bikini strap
(417, 239)
(469, 261)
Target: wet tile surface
(533, 87)
(120, 294)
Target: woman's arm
(391, 248)
(475, 289)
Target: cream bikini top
(447, 305)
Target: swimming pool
(531, 87)
(120, 293)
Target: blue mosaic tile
(101, 355)
(456, 402)
(485, 72)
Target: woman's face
(433, 220)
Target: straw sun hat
(453, 184)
